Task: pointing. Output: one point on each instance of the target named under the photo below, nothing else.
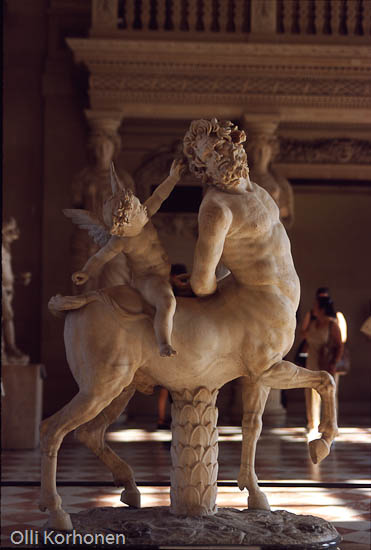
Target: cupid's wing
(88, 221)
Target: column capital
(105, 122)
(262, 123)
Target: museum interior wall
(323, 135)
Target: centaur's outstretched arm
(213, 224)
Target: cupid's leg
(158, 292)
(286, 375)
(254, 398)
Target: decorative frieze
(324, 151)
(238, 85)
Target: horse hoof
(318, 450)
(60, 520)
(258, 501)
(243, 479)
(131, 498)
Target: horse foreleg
(92, 435)
(82, 408)
(254, 398)
(286, 375)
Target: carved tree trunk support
(194, 453)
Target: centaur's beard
(230, 174)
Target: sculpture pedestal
(21, 406)
(194, 453)
(257, 529)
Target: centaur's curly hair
(212, 131)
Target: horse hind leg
(286, 375)
(82, 408)
(92, 435)
(254, 397)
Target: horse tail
(60, 305)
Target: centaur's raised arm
(214, 221)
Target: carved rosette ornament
(194, 452)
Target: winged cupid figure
(127, 228)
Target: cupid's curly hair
(205, 129)
(119, 210)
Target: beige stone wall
(330, 246)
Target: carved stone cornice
(188, 74)
(230, 52)
(324, 151)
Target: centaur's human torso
(249, 323)
(256, 249)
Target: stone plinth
(256, 529)
(21, 406)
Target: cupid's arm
(163, 190)
(213, 224)
(114, 246)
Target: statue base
(21, 405)
(156, 526)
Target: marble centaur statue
(10, 353)
(242, 326)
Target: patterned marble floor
(282, 457)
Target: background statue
(9, 351)
(242, 326)
(90, 188)
(261, 150)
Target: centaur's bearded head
(215, 152)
